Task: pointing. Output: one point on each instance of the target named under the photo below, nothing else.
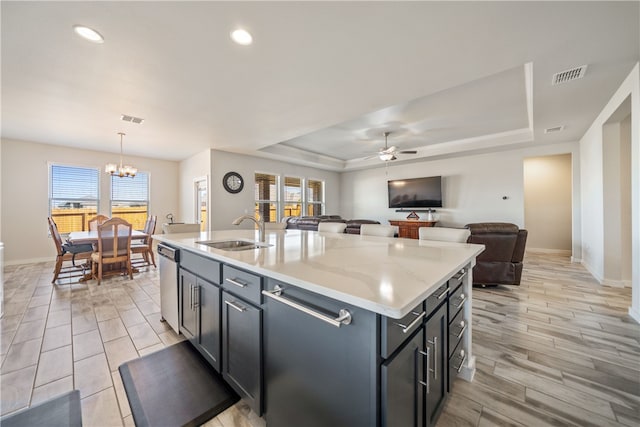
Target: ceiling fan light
(385, 157)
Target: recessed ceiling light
(88, 33)
(242, 37)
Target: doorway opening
(201, 203)
(547, 203)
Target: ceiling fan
(389, 153)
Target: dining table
(91, 237)
(84, 237)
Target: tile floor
(74, 336)
(557, 350)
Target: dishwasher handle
(169, 252)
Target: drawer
(243, 284)
(436, 298)
(395, 331)
(456, 279)
(456, 363)
(456, 302)
(204, 267)
(456, 331)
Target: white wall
(547, 202)
(194, 167)
(473, 187)
(225, 207)
(25, 193)
(591, 148)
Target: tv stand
(409, 229)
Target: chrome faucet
(259, 222)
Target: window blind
(134, 189)
(73, 183)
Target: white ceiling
(322, 80)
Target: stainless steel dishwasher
(169, 258)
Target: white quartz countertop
(389, 276)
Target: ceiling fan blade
(408, 152)
(394, 157)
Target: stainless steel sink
(233, 245)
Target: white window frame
(323, 198)
(279, 197)
(51, 165)
(148, 201)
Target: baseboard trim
(565, 252)
(30, 261)
(617, 283)
(575, 260)
(634, 314)
(590, 270)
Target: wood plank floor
(557, 350)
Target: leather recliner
(501, 261)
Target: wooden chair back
(97, 220)
(114, 240)
(55, 235)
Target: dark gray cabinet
(188, 313)
(209, 327)
(436, 369)
(402, 379)
(200, 315)
(242, 348)
(316, 373)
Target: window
(266, 196)
(292, 196)
(130, 199)
(73, 196)
(315, 197)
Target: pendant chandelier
(121, 171)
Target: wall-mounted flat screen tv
(415, 192)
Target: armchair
(501, 261)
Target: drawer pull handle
(344, 317)
(407, 328)
(236, 306)
(463, 298)
(463, 327)
(434, 343)
(236, 282)
(443, 294)
(464, 359)
(427, 354)
(460, 274)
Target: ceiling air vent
(131, 119)
(554, 129)
(569, 75)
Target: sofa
(501, 261)
(311, 222)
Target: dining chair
(97, 220)
(64, 256)
(332, 227)
(444, 234)
(378, 230)
(145, 246)
(114, 246)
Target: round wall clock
(233, 182)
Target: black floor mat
(61, 411)
(174, 387)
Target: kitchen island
(330, 329)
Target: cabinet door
(402, 390)
(317, 374)
(242, 349)
(208, 302)
(436, 370)
(188, 310)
